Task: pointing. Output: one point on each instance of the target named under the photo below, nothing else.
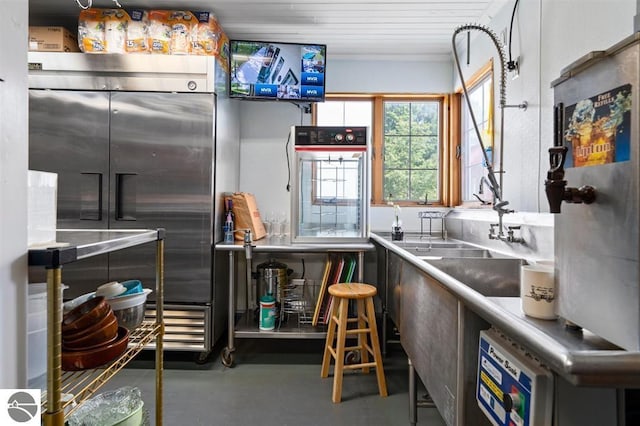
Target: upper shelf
(76, 244)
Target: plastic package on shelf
(137, 32)
(205, 34)
(110, 408)
(103, 30)
(170, 31)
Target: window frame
(377, 142)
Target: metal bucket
(272, 279)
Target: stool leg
(375, 344)
(341, 340)
(362, 337)
(331, 334)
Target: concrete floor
(274, 382)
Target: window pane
(412, 149)
(396, 185)
(330, 113)
(486, 98)
(424, 185)
(344, 113)
(396, 118)
(475, 95)
(424, 152)
(472, 157)
(396, 152)
(358, 113)
(424, 118)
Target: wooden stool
(366, 325)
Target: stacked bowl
(91, 336)
(128, 301)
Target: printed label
(597, 130)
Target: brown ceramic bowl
(92, 358)
(76, 334)
(85, 315)
(103, 335)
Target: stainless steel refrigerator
(137, 150)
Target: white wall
(369, 76)
(13, 192)
(264, 128)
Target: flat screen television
(277, 71)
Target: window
(411, 151)
(406, 138)
(474, 183)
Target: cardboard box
(52, 39)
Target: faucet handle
(557, 157)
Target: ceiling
(381, 29)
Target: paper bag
(247, 215)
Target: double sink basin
(487, 272)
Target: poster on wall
(598, 129)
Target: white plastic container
(42, 204)
(110, 289)
(37, 335)
(538, 292)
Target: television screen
(277, 71)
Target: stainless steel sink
(449, 252)
(491, 277)
(423, 244)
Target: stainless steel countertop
(579, 356)
(275, 244)
(76, 244)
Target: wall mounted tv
(277, 71)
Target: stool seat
(352, 290)
(365, 329)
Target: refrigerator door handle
(126, 195)
(91, 196)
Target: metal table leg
(413, 397)
(54, 415)
(160, 323)
(228, 352)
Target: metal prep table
(245, 327)
(76, 245)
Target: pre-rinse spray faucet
(495, 184)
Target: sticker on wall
(598, 129)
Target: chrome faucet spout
(482, 182)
